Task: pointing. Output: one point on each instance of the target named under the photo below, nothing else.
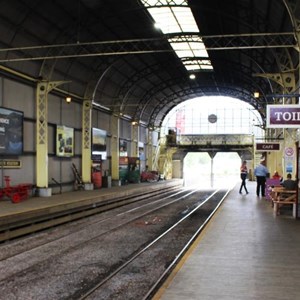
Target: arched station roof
(110, 52)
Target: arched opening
(201, 171)
(216, 116)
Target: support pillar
(43, 88)
(212, 155)
(177, 164)
(115, 139)
(149, 152)
(86, 144)
(134, 149)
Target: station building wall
(22, 97)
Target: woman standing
(244, 172)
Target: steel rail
(145, 248)
(157, 284)
(39, 223)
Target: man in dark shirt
(261, 172)
(289, 184)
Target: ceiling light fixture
(256, 94)
(68, 99)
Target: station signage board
(283, 116)
(10, 164)
(267, 146)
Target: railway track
(119, 254)
(36, 223)
(187, 228)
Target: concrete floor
(244, 253)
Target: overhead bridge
(175, 147)
(212, 142)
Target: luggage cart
(16, 193)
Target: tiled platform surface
(245, 253)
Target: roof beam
(144, 46)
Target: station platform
(39, 207)
(244, 253)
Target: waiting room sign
(283, 116)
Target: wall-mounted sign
(267, 146)
(99, 143)
(283, 116)
(64, 141)
(10, 164)
(11, 132)
(123, 148)
(289, 151)
(289, 157)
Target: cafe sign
(283, 116)
(267, 146)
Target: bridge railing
(214, 139)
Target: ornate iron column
(43, 88)
(86, 141)
(149, 152)
(134, 140)
(115, 129)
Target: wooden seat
(284, 197)
(275, 190)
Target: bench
(284, 197)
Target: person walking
(244, 172)
(261, 172)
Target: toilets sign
(283, 116)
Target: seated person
(289, 184)
(276, 176)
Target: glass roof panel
(200, 53)
(165, 20)
(207, 67)
(192, 67)
(197, 46)
(200, 65)
(180, 46)
(183, 52)
(175, 16)
(186, 19)
(148, 3)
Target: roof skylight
(175, 16)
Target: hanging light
(256, 94)
(68, 99)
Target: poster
(64, 141)
(123, 147)
(11, 132)
(99, 143)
